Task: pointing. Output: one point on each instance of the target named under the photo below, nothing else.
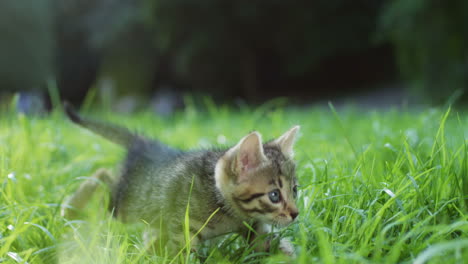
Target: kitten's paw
(287, 247)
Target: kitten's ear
(238, 163)
(286, 141)
(249, 154)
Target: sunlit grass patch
(375, 187)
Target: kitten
(250, 182)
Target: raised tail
(116, 134)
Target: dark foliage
(267, 48)
(431, 42)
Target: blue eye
(274, 196)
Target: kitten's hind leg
(75, 203)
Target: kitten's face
(269, 193)
(259, 180)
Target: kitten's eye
(295, 191)
(274, 196)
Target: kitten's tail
(116, 134)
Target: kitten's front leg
(287, 247)
(264, 246)
(260, 238)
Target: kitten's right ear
(286, 141)
(248, 155)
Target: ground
(386, 186)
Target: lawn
(375, 186)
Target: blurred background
(135, 54)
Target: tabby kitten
(251, 182)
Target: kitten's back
(159, 179)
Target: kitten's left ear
(286, 141)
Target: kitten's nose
(294, 214)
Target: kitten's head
(258, 180)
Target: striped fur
(231, 186)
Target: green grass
(375, 187)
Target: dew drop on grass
(16, 257)
(393, 195)
(12, 176)
(389, 192)
(10, 227)
(384, 183)
(221, 139)
(389, 146)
